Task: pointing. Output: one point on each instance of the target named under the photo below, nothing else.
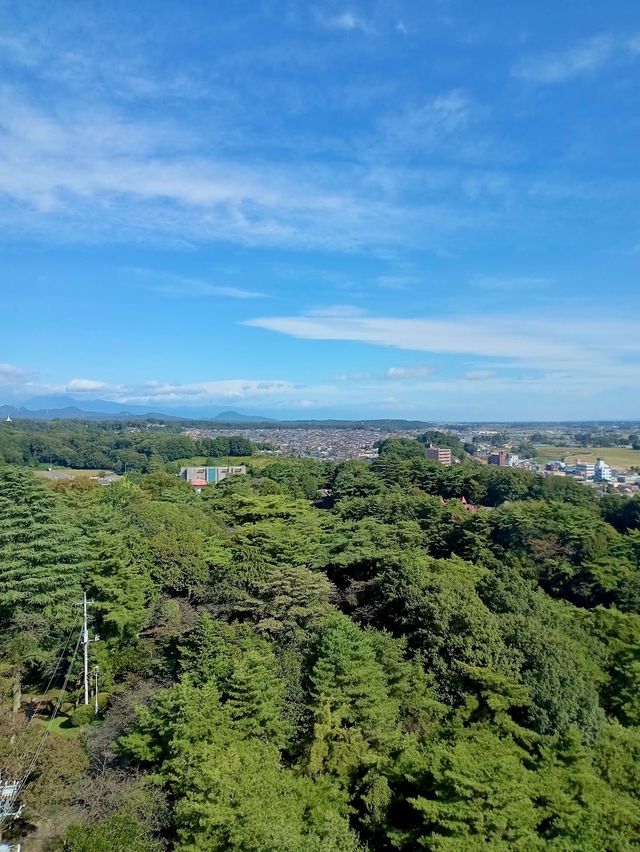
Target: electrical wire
(54, 675)
(47, 731)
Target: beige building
(442, 455)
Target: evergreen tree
(354, 718)
(204, 654)
(476, 794)
(121, 587)
(40, 573)
(232, 793)
(255, 697)
(240, 799)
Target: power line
(52, 678)
(54, 713)
(10, 790)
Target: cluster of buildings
(504, 459)
(314, 442)
(598, 471)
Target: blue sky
(417, 209)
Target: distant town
(603, 456)
(519, 446)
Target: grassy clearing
(618, 457)
(62, 727)
(256, 462)
(71, 472)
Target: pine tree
(476, 793)
(120, 586)
(40, 573)
(354, 717)
(203, 654)
(255, 698)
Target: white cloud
(586, 58)
(347, 21)
(11, 374)
(91, 386)
(204, 392)
(580, 355)
(175, 393)
(419, 371)
(494, 337)
(297, 403)
(408, 373)
(479, 375)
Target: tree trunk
(16, 691)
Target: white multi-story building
(602, 471)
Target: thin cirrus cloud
(169, 393)
(479, 375)
(585, 58)
(94, 175)
(509, 283)
(427, 335)
(606, 345)
(61, 162)
(181, 285)
(405, 373)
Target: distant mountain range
(236, 417)
(69, 408)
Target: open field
(617, 457)
(256, 462)
(57, 472)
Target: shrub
(83, 715)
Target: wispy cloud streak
(586, 58)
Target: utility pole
(85, 640)
(95, 675)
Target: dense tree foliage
(39, 574)
(110, 445)
(327, 658)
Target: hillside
(323, 657)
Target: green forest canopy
(320, 657)
(111, 445)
